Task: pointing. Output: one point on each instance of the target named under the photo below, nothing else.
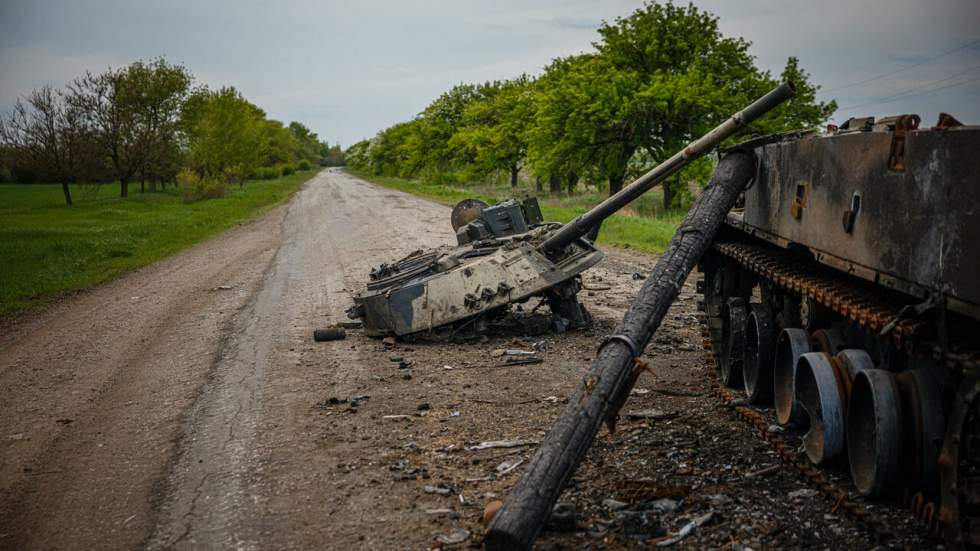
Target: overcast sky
(348, 69)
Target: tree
(686, 77)
(49, 130)
(153, 94)
(493, 130)
(224, 134)
(428, 146)
(111, 115)
(583, 118)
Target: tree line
(149, 123)
(657, 79)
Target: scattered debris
(329, 334)
(762, 472)
(501, 444)
(508, 466)
(500, 352)
(522, 361)
(681, 393)
(613, 504)
(222, 288)
(351, 324)
(651, 414)
(423, 406)
(458, 536)
(442, 511)
(397, 417)
(441, 489)
(802, 493)
(687, 530)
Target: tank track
(875, 310)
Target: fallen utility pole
(529, 504)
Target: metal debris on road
(687, 530)
(501, 444)
(458, 536)
(329, 334)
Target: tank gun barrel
(582, 224)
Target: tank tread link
(844, 293)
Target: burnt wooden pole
(529, 504)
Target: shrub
(304, 165)
(196, 188)
(5, 175)
(266, 173)
(288, 169)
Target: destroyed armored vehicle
(845, 293)
(497, 261)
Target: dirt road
(185, 406)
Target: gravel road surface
(185, 406)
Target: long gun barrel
(584, 223)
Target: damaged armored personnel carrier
(845, 293)
(497, 261)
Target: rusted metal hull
(914, 230)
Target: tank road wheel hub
(760, 341)
(733, 319)
(874, 431)
(791, 344)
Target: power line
(901, 97)
(906, 68)
(911, 91)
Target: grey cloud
(348, 69)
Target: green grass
(642, 225)
(47, 248)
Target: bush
(304, 165)
(288, 169)
(266, 173)
(197, 188)
(5, 175)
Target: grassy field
(47, 248)
(642, 225)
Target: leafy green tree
(686, 77)
(582, 120)
(391, 152)
(494, 127)
(428, 149)
(224, 133)
(153, 94)
(307, 142)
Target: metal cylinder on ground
(791, 344)
(760, 343)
